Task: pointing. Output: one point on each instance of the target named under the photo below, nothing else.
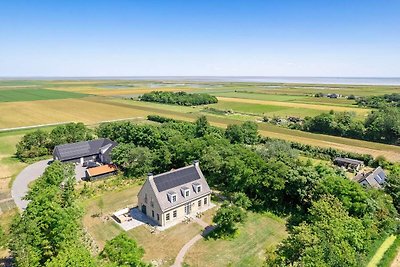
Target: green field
(259, 232)
(269, 110)
(30, 94)
(260, 96)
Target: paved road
(181, 255)
(20, 186)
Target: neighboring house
(169, 197)
(100, 172)
(375, 178)
(334, 95)
(350, 164)
(86, 151)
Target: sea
(256, 79)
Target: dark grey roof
(175, 178)
(81, 149)
(349, 161)
(375, 178)
(181, 178)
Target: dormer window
(172, 197)
(197, 187)
(185, 191)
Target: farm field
(320, 108)
(271, 96)
(31, 94)
(248, 101)
(271, 109)
(88, 110)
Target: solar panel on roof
(74, 149)
(173, 179)
(81, 149)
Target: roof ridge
(174, 170)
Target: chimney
(196, 163)
(150, 176)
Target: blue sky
(135, 38)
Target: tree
(227, 218)
(33, 144)
(135, 161)
(234, 134)
(3, 239)
(202, 126)
(384, 125)
(250, 132)
(74, 255)
(50, 221)
(246, 133)
(393, 186)
(123, 251)
(329, 237)
(240, 199)
(70, 133)
(277, 149)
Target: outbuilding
(350, 164)
(85, 151)
(100, 172)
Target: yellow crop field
(19, 114)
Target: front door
(188, 209)
(144, 209)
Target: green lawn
(259, 232)
(30, 94)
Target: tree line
(379, 101)
(381, 125)
(40, 143)
(179, 98)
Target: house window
(145, 198)
(158, 217)
(174, 214)
(199, 203)
(152, 213)
(185, 191)
(152, 203)
(167, 216)
(196, 187)
(172, 197)
(205, 201)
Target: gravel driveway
(20, 186)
